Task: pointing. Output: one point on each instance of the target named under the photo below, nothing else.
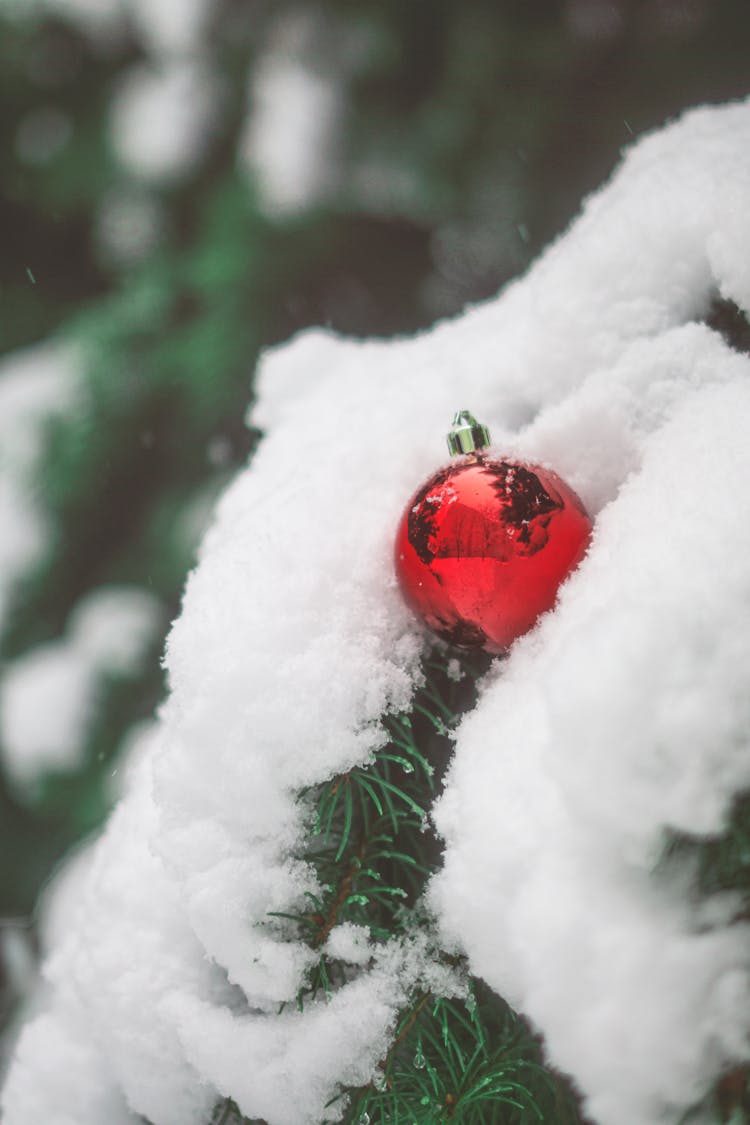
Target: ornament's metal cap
(466, 435)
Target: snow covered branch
(622, 718)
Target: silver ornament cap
(466, 435)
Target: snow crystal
(161, 118)
(621, 717)
(49, 696)
(347, 942)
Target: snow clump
(162, 117)
(291, 137)
(49, 696)
(37, 384)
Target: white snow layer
(166, 28)
(291, 138)
(49, 696)
(36, 384)
(162, 116)
(623, 714)
(171, 26)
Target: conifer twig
(345, 889)
(408, 1025)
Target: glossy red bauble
(483, 547)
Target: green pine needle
(469, 1061)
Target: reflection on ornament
(485, 543)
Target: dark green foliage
(471, 1062)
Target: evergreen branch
(342, 897)
(406, 1025)
(372, 850)
(441, 1069)
(348, 813)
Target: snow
(162, 111)
(290, 141)
(130, 223)
(171, 26)
(624, 714)
(166, 28)
(36, 384)
(161, 118)
(49, 696)
(349, 943)
(18, 971)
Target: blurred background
(185, 182)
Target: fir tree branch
(373, 851)
(344, 891)
(406, 1027)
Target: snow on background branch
(35, 385)
(624, 714)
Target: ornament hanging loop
(466, 435)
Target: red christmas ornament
(484, 544)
